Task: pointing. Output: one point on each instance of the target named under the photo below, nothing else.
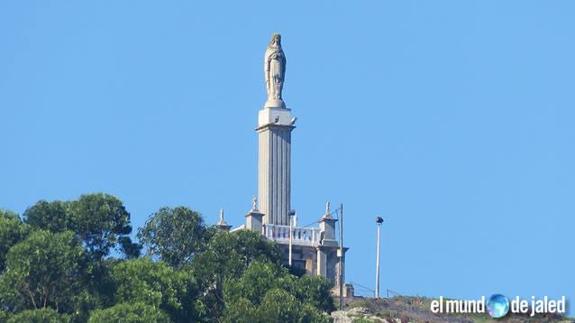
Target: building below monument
(314, 250)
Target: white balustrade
(301, 236)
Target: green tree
(256, 281)
(101, 220)
(310, 314)
(42, 271)
(229, 254)
(60, 271)
(4, 316)
(315, 291)
(279, 306)
(12, 230)
(52, 216)
(129, 313)
(174, 234)
(240, 310)
(226, 257)
(308, 296)
(156, 284)
(44, 315)
(129, 249)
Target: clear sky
(454, 120)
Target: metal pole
(290, 239)
(291, 216)
(341, 257)
(379, 221)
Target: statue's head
(276, 40)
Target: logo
(498, 306)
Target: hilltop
(402, 309)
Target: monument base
(275, 103)
(275, 117)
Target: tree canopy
(174, 234)
(129, 313)
(12, 230)
(53, 216)
(75, 261)
(99, 220)
(42, 271)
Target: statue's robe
(274, 71)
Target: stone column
(274, 164)
(321, 262)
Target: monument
(275, 124)
(314, 250)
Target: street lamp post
(291, 216)
(379, 221)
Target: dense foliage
(74, 261)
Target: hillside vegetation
(75, 261)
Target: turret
(254, 218)
(327, 228)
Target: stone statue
(274, 70)
(255, 204)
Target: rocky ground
(402, 309)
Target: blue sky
(451, 119)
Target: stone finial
(222, 221)
(222, 224)
(327, 214)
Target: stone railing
(301, 236)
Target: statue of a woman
(274, 70)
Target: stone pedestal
(254, 220)
(327, 228)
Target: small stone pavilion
(313, 249)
